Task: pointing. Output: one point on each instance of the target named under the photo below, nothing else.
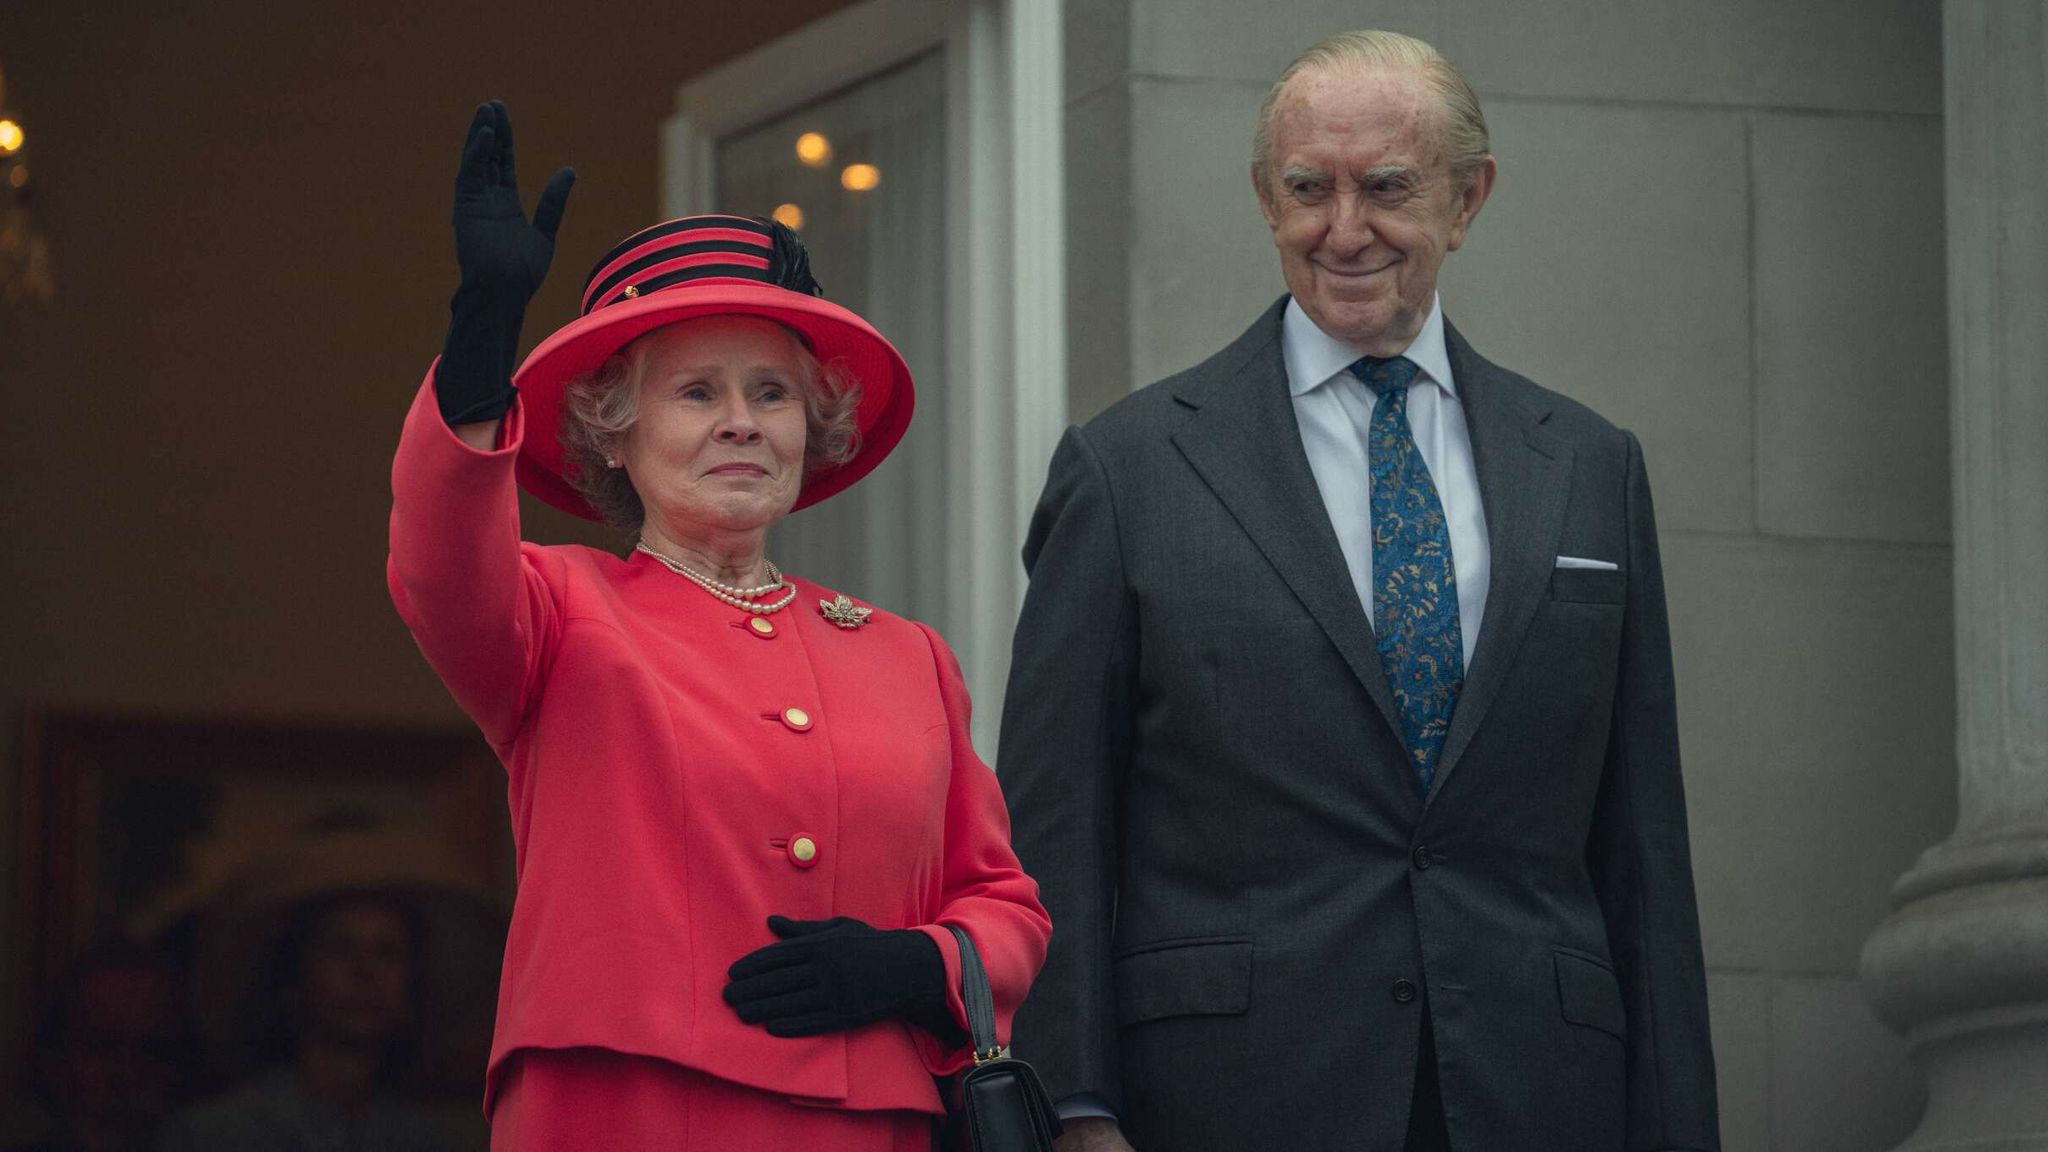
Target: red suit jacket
(659, 782)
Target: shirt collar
(1313, 356)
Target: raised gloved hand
(503, 261)
(831, 975)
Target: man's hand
(1092, 1134)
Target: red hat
(707, 266)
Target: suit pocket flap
(1587, 585)
(1589, 995)
(1209, 977)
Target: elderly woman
(746, 808)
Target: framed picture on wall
(199, 838)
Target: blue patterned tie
(1414, 584)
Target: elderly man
(1340, 732)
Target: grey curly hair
(598, 408)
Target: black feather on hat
(791, 263)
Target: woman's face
(718, 445)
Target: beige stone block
(1852, 337)
(1817, 724)
(1098, 174)
(1095, 45)
(1202, 260)
(1863, 55)
(1612, 264)
(1840, 1081)
(1233, 40)
(1739, 1011)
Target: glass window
(861, 175)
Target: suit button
(797, 719)
(803, 851)
(1421, 857)
(761, 626)
(1404, 991)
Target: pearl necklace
(742, 598)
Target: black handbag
(998, 1105)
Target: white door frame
(1005, 250)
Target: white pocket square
(1582, 562)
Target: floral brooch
(845, 613)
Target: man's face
(358, 972)
(1361, 203)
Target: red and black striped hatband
(702, 251)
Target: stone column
(1961, 967)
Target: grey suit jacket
(1251, 899)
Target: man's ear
(1470, 201)
(1265, 195)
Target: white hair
(1465, 139)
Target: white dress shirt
(1334, 409)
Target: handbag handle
(980, 1001)
(1000, 1105)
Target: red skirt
(597, 1100)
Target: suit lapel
(1524, 483)
(1245, 444)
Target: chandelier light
(24, 250)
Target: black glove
(831, 975)
(503, 261)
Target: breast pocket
(1210, 976)
(1587, 586)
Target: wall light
(859, 177)
(789, 216)
(813, 150)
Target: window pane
(861, 175)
